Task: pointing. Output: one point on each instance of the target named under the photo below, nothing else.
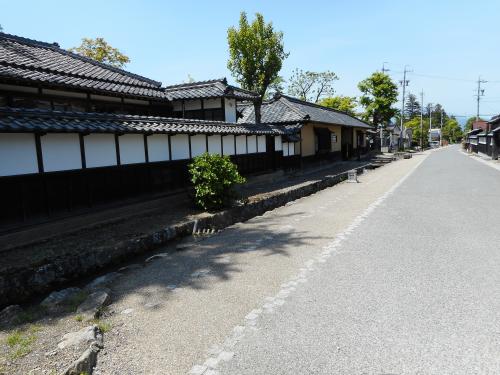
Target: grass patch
(103, 326)
(20, 342)
(79, 318)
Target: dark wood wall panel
(28, 199)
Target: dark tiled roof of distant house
(285, 109)
(30, 61)
(215, 88)
(37, 120)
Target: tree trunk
(257, 104)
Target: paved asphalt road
(412, 287)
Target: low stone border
(20, 284)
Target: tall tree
(452, 131)
(98, 49)
(436, 111)
(276, 86)
(346, 104)
(414, 125)
(256, 54)
(311, 86)
(380, 93)
(412, 107)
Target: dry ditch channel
(66, 332)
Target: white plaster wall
(214, 144)
(198, 144)
(190, 105)
(158, 147)
(241, 144)
(296, 146)
(177, 105)
(61, 152)
(17, 154)
(228, 145)
(278, 143)
(212, 103)
(230, 109)
(132, 149)
(261, 143)
(100, 150)
(180, 146)
(285, 148)
(252, 144)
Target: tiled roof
(285, 109)
(37, 120)
(215, 88)
(494, 119)
(27, 60)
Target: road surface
(398, 274)
(414, 289)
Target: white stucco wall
(193, 104)
(132, 149)
(17, 154)
(278, 143)
(180, 146)
(100, 150)
(230, 109)
(261, 143)
(61, 152)
(158, 147)
(198, 144)
(214, 144)
(228, 144)
(252, 144)
(285, 148)
(241, 144)
(212, 103)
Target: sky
(446, 44)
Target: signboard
(334, 138)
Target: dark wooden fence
(34, 198)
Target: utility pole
(403, 83)
(430, 122)
(480, 92)
(383, 67)
(422, 120)
(441, 132)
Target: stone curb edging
(20, 284)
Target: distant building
(480, 124)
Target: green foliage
(213, 177)
(452, 131)
(99, 50)
(20, 342)
(256, 53)
(311, 86)
(342, 103)
(103, 326)
(275, 87)
(412, 107)
(414, 125)
(380, 93)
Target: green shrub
(213, 177)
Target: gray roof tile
(285, 109)
(208, 89)
(33, 120)
(23, 59)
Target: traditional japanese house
(325, 133)
(76, 134)
(484, 138)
